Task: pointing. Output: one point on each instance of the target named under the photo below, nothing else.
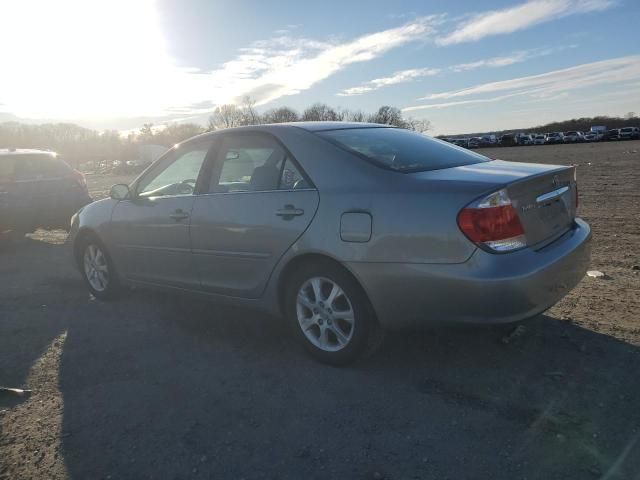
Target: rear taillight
(493, 222)
(79, 177)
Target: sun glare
(83, 59)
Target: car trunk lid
(546, 204)
(543, 195)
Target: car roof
(319, 126)
(309, 126)
(24, 151)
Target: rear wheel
(330, 314)
(98, 270)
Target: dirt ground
(154, 386)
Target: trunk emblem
(556, 181)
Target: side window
(248, 162)
(291, 178)
(175, 174)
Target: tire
(332, 335)
(97, 269)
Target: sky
(466, 66)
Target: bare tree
(320, 112)
(248, 112)
(387, 115)
(420, 126)
(225, 116)
(280, 115)
(354, 116)
(146, 132)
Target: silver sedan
(344, 229)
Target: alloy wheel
(96, 268)
(325, 314)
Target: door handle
(289, 211)
(179, 215)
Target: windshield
(401, 150)
(626, 129)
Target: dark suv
(38, 189)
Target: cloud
(291, 71)
(613, 71)
(104, 77)
(402, 76)
(517, 56)
(520, 17)
(462, 102)
(405, 76)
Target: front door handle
(289, 211)
(179, 215)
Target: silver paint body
(395, 232)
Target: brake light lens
(493, 222)
(80, 178)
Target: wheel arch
(305, 258)
(83, 234)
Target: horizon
(509, 66)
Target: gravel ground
(154, 386)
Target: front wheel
(330, 314)
(98, 270)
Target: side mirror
(120, 192)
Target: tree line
(79, 144)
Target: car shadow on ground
(168, 386)
(165, 386)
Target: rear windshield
(32, 166)
(401, 150)
(626, 129)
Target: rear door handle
(289, 211)
(179, 215)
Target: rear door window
(400, 150)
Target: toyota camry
(343, 229)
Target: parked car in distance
(555, 137)
(593, 136)
(539, 139)
(525, 139)
(573, 137)
(302, 220)
(629, 133)
(461, 142)
(475, 142)
(613, 134)
(508, 140)
(488, 140)
(37, 189)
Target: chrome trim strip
(155, 248)
(553, 194)
(230, 253)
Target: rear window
(40, 166)
(400, 150)
(626, 129)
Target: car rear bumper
(488, 288)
